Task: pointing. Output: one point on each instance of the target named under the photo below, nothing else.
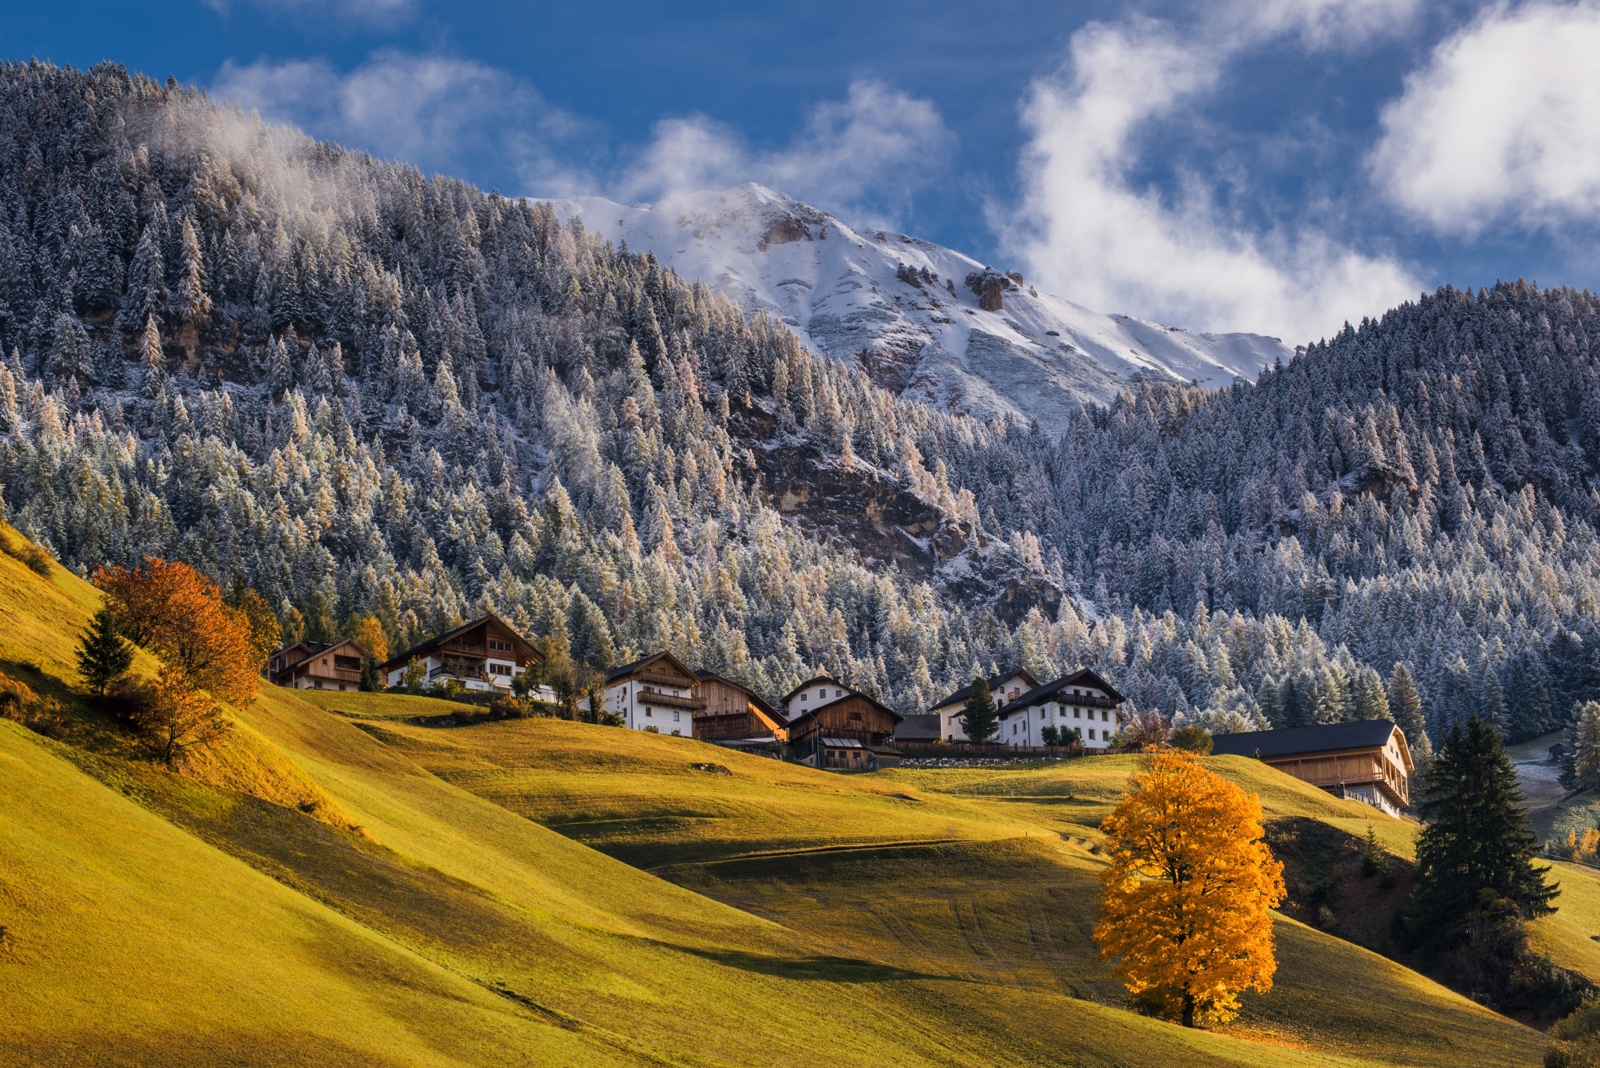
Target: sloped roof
(993, 681)
(1294, 741)
(757, 699)
(440, 639)
(810, 713)
(829, 679)
(628, 669)
(1050, 689)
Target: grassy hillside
(542, 892)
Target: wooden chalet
(848, 730)
(657, 693)
(735, 715)
(317, 665)
(1366, 761)
(484, 655)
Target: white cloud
(1501, 124)
(864, 154)
(358, 10)
(1089, 232)
(429, 110)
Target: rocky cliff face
(924, 321)
(861, 510)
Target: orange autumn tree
(178, 614)
(1184, 906)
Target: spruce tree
(1475, 853)
(104, 655)
(978, 719)
(1583, 745)
(371, 680)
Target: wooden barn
(1366, 761)
(850, 732)
(735, 714)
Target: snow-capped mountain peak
(922, 320)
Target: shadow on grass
(816, 967)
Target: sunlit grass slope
(451, 931)
(982, 875)
(483, 915)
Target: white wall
(623, 698)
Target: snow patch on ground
(904, 310)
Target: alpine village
(439, 628)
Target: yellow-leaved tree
(1184, 906)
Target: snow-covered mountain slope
(922, 320)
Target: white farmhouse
(658, 693)
(1006, 687)
(1083, 702)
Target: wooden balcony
(656, 679)
(666, 700)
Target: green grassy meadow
(342, 884)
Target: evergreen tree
(1475, 853)
(1583, 742)
(978, 718)
(371, 678)
(104, 655)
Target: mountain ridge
(925, 322)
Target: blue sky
(1278, 165)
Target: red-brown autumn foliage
(178, 614)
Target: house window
(1077, 713)
(837, 693)
(804, 696)
(647, 714)
(1013, 728)
(674, 719)
(1091, 734)
(1105, 717)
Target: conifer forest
(358, 388)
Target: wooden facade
(1368, 761)
(485, 655)
(853, 732)
(734, 713)
(317, 665)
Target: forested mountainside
(360, 389)
(925, 322)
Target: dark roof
(784, 700)
(993, 681)
(921, 727)
(760, 702)
(849, 693)
(1050, 689)
(628, 669)
(1290, 741)
(440, 639)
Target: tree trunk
(1187, 1018)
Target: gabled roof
(829, 679)
(440, 639)
(993, 681)
(755, 698)
(1041, 694)
(849, 693)
(1294, 741)
(638, 665)
(312, 650)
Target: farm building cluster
(826, 723)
